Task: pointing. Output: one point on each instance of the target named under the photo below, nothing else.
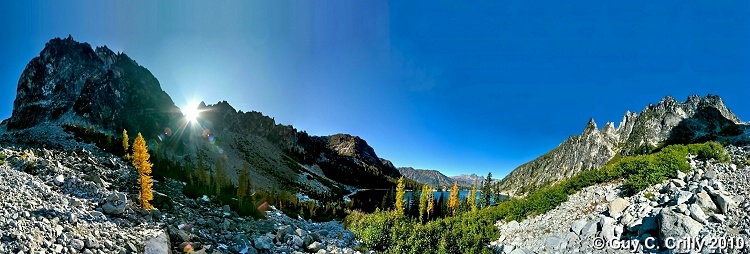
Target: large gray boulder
(577, 226)
(555, 243)
(158, 244)
(116, 203)
(608, 228)
(590, 228)
(617, 206)
(703, 200)
(316, 246)
(263, 243)
(697, 213)
(684, 197)
(677, 226)
(724, 202)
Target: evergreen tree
(141, 163)
(400, 191)
(471, 199)
(423, 201)
(454, 202)
(221, 175)
(384, 201)
(190, 172)
(202, 173)
(487, 190)
(440, 208)
(242, 182)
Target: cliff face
(71, 83)
(668, 122)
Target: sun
(191, 112)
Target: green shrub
(385, 231)
(709, 150)
(374, 230)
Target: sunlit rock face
(668, 122)
(69, 82)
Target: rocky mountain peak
(69, 82)
(667, 122)
(106, 55)
(609, 129)
(590, 127)
(714, 101)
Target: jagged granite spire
(590, 126)
(669, 121)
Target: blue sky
(448, 85)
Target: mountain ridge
(668, 122)
(70, 83)
(467, 180)
(431, 177)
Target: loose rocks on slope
(708, 203)
(77, 201)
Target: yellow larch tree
(454, 201)
(141, 163)
(400, 192)
(125, 144)
(471, 199)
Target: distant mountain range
(468, 180)
(436, 179)
(426, 176)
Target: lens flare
(191, 112)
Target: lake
(461, 194)
(368, 200)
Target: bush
(388, 232)
(373, 229)
(709, 150)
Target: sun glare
(191, 112)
